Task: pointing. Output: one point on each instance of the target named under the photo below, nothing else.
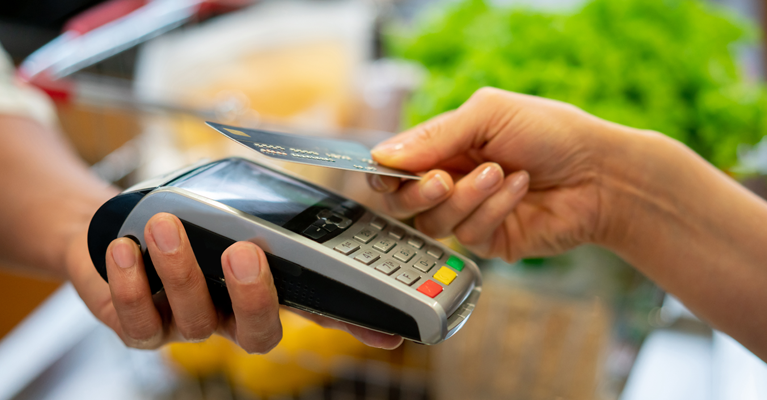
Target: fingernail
(434, 188)
(123, 254)
(518, 182)
(387, 148)
(165, 233)
(378, 183)
(489, 177)
(245, 263)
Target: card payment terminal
(328, 255)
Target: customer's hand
(184, 311)
(526, 173)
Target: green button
(455, 262)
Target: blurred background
(133, 80)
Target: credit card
(323, 152)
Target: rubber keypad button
(445, 275)
(430, 288)
(456, 263)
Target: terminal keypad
(389, 249)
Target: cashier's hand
(510, 175)
(184, 311)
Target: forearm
(690, 228)
(48, 195)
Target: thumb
(430, 143)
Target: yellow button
(445, 275)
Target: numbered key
(347, 247)
(365, 235)
(384, 245)
(367, 257)
(424, 264)
(404, 254)
(387, 267)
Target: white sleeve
(17, 98)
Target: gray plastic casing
(437, 318)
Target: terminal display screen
(255, 190)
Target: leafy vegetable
(666, 65)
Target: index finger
(417, 196)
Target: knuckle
(411, 203)
(428, 227)
(468, 235)
(485, 94)
(482, 249)
(490, 106)
(396, 206)
(256, 310)
(430, 130)
(257, 304)
(567, 107)
(141, 325)
(464, 205)
(143, 330)
(197, 329)
(128, 297)
(177, 275)
(482, 253)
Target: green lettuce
(665, 65)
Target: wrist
(641, 183)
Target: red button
(430, 288)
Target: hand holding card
(330, 153)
